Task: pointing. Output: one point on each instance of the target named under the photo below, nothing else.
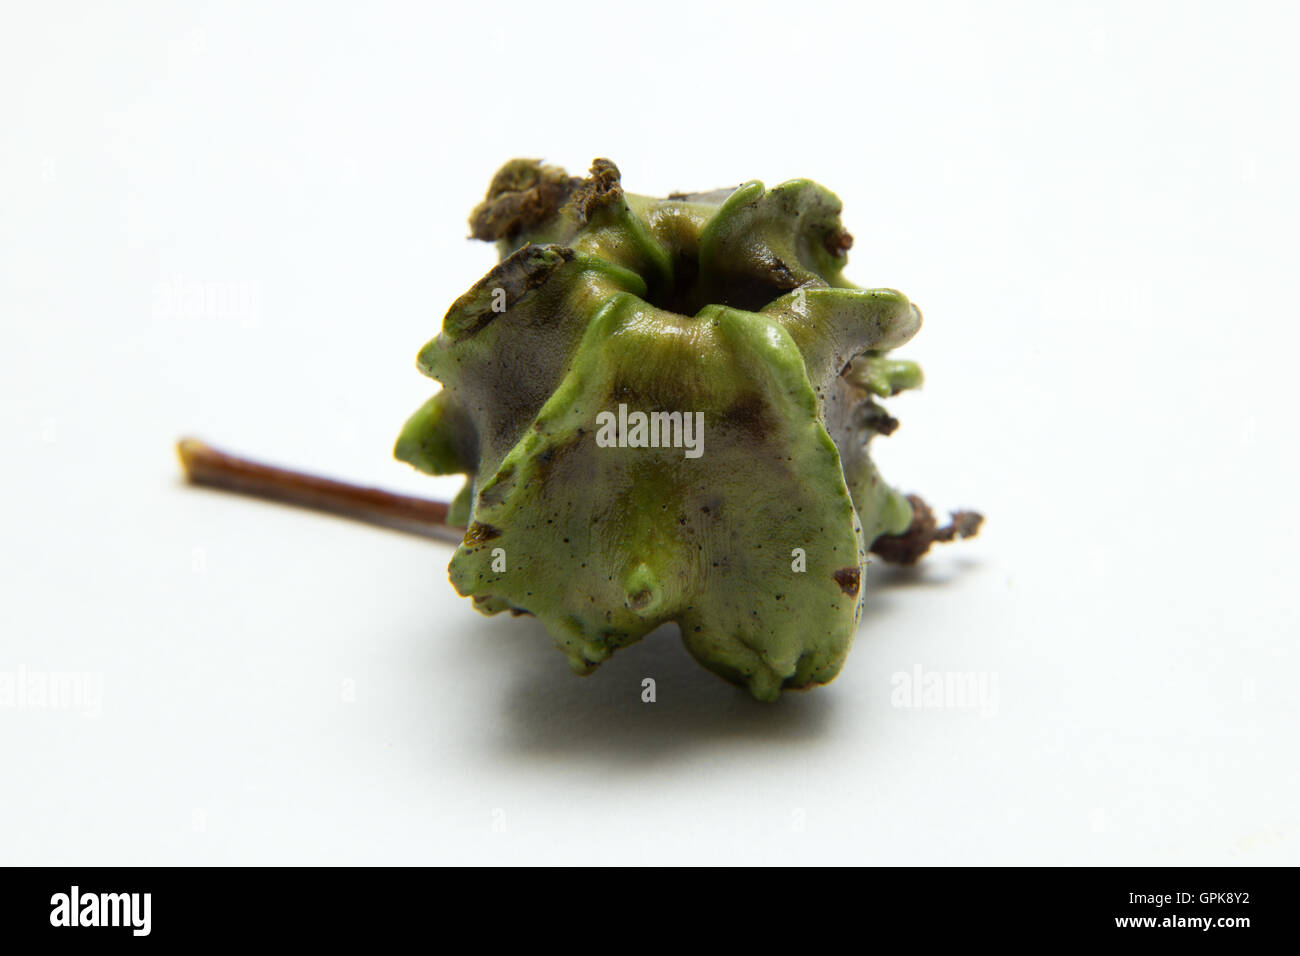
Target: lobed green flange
(731, 304)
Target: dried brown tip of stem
(210, 468)
(603, 185)
(912, 544)
(524, 193)
(838, 242)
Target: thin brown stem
(206, 466)
(908, 547)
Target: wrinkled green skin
(730, 303)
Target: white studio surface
(241, 222)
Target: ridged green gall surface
(727, 308)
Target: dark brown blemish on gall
(849, 580)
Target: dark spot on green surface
(477, 533)
(849, 580)
(640, 599)
(750, 413)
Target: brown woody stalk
(206, 466)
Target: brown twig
(211, 468)
(908, 547)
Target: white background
(1095, 205)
